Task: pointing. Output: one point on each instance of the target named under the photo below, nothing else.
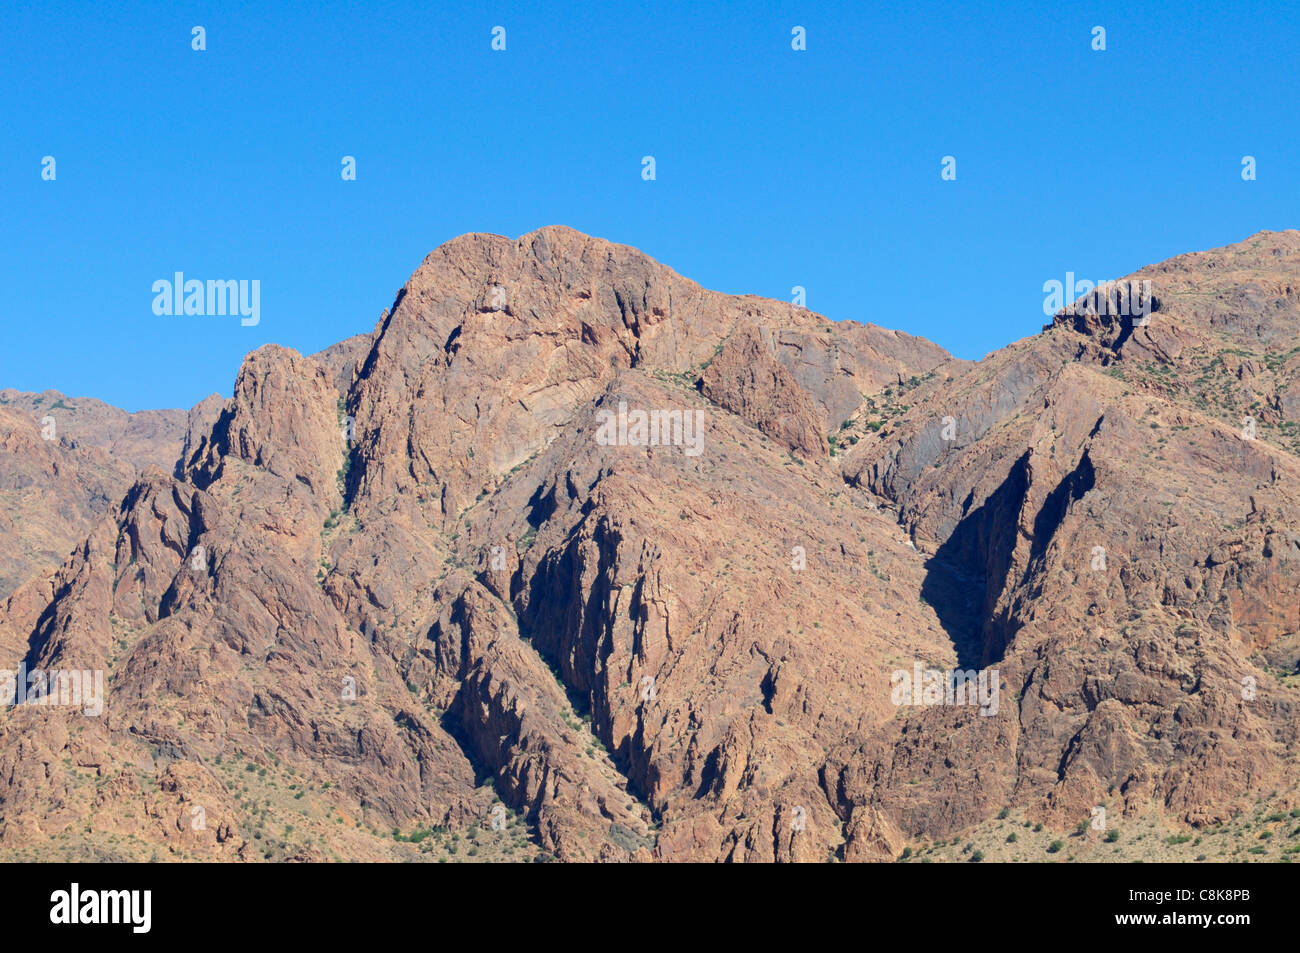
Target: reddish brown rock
(411, 584)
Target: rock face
(747, 379)
(1111, 522)
(142, 438)
(570, 537)
(64, 462)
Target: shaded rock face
(1122, 548)
(420, 573)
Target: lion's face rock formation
(571, 538)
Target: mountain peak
(659, 562)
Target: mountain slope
(1118, 546)
(438, 577)
(64, 462)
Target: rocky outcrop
(1120, 551)
(444, 572)
(64, 463)
(747, 380)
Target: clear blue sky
(775, 168)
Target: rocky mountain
(571, 558)
(64, 463)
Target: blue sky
(775, 168)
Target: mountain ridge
(385, 573)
